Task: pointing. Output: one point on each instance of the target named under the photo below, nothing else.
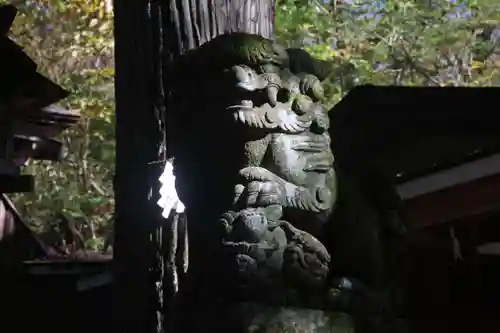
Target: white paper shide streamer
(176, 228)
(169, 200)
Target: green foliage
(404, 42)
(72, 42)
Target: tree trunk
(186, 25)
(138, 137)
(189, 23)
(148, 36)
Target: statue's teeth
(247, 103)
(241, 115)
(272, 93)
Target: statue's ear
(302, 62)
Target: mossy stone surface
(265, 319)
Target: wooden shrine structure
(455, 213)
(45, 288)
(29, 122)
(443, 151)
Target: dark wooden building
(442, 149)
(455, 214)
(29, 121)
(56, 295)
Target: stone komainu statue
(283, 237)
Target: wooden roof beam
(448, 178)
(464, 202)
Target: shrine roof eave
(451, 178)
(468, 202)
(414, 132)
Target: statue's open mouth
(239, 112)
(319, 158)
(318, 168)
(268, 117)
(313, 144)
(246, 105)
(311, 147)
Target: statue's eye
(243, 74)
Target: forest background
(384, 42)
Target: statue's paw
(260, 187)
(257, 173)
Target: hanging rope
(457, 253)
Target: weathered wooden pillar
(139, 36)
(138, 138)
(186, 26)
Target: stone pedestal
(256, 318)
(262, 319)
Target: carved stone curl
(256, 173)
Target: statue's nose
(316, 128)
